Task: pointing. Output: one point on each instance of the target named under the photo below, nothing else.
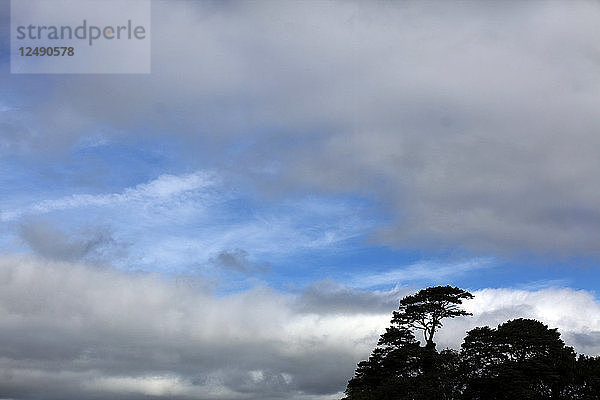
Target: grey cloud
(69, 331)
(328, 297)
(88, 244)
(237, 260)
(474, 124)
(73, 332)
(587, 342)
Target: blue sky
(297, 168)
(158, 214)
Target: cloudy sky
(241, 222)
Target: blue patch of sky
(170, 235)
(94, 166)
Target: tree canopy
(519, 359)
(426, 309)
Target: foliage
(400, 368)
(426, 309)
(520, 359)
(522, 352)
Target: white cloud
(576, 314)
(161, 189)
(422, 271)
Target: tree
(390, 370)
(399, 367)
(426, 309)
(521, 359)
(586, 382)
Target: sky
(241, 222)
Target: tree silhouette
(399, 367)
(586, 382)
(389, 371)
(520, 359)
(426, 309)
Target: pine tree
(399, 367)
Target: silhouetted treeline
(521, 359)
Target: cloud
(432, 272)
(71, 331)
(576, 314)
(237, 260)
(475, 126)
(48, 241)
(162, 188)
(327, 297)
(465, 126)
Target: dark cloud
(92, 244)
(75, 332)
(237, 260)
(328, 297)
